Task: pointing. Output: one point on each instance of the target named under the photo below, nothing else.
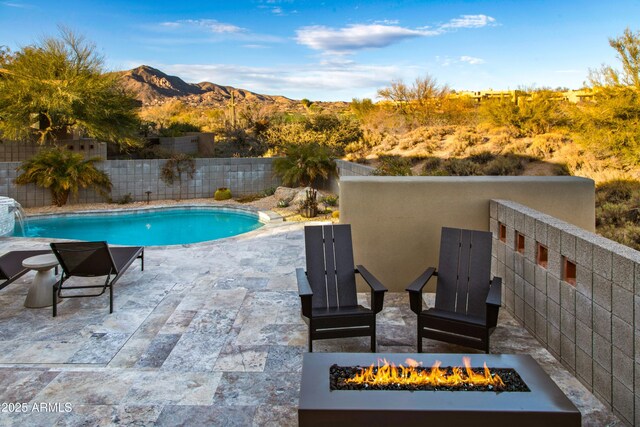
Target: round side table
(41, 292)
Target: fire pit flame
(390, 374)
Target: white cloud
(379, 34)
(294, 81)
(209, 25)
(355, 37)
(18, 5)
(471, 60)
(470, 21)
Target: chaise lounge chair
(11, 265)
(328, 288)
(92, 259)
(467, 300)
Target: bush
(464, 140)
(393, 166)
(482, 157)
(177, 165)
(282, 203)
(618, 211)
(222, 194)
(179, 129)
(504, 165)
(461, 167)
(543, 146)
(269, 191)
(335, 214)
(330, 200)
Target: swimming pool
(156, 227)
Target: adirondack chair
(328, 288)
(467, 300)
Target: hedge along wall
(136, 177)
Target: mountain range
(153, 87)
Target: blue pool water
(144, 228)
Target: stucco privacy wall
(592, 326)
(396, 221)
(241, 175)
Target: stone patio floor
(207, 334)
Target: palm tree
(63, 172)
(303, 163)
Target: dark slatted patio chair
(11, 265)
(92, 259)
(328, 288)
(467, 300)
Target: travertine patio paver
(208, 334)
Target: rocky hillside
(153, 87)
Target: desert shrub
(393, 166)
(504, 165)
(282, 203)
(611, 125)
(628, 234)
(561, 169)
(330, 200)
(463, 140)
(433, 166)
(177, 165)
(179, 129)
(618, 191)
(461, 167)
(335, 214)
(483, 157)
(534, 113)
(545, 145)
(269, 191)
(501, 140)
(618, 211)
(517, 147)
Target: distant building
(482, 95)
(517, 96)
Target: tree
(303, 163)
(421, 99)
(63, 172)
(58, 86)
(628, 48)
(610, 126)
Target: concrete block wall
(587, 320)
(180, 144)
(12, 151)
(347, 169)
(136, 177)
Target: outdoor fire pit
(345, 389)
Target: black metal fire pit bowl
(545, 405)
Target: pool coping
(269, 218)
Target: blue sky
(339, 50)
